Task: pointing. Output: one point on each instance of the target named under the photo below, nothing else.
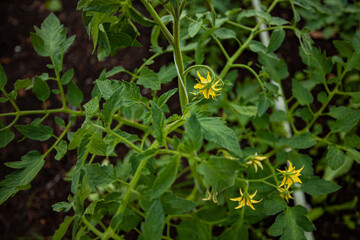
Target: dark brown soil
(29, 212)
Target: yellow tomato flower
(245, 199)
(256, 161)
(291, 175)
(285, 193)
(207, 86)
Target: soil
(28, 215)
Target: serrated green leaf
(174, 205)
(75, 95)
(27, 169)
(344, 48)
(315, 186)
(3, 78)
(302, 141)
(6, 136)
(216, 131)
(139, 18)
(291, 224)
(61, 150)
(22, 83)
(108, 87)
(112, 105)
(149, 79)
(263, 104)
(165, 97)
(40, 132)
(249, 111)
(238, 231)
(194, 28)
(91, 107)
(154, 222)
(50, 40)
(302, 94)
(158, 122)
(187, 228)
(97, 145)
(219, 173)
(274, 204)
(166, 177)
(67, 76)
(100, 175)
(131, 94)
(193, 136)
(277, 68)
(224, 33)
(302, 160)
(278, 21)
(276, 39)
(61, 206)
(335, 157)
(41, 89)
(61, 231)
(167, 73)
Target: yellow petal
(199, 86)
(203, 80)
(253, 195)
(208, 77)
(238, 199)
(249, 204)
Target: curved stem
(252, 71)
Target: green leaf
(75, 95)
(139, 18)
(187, 228)
(217, 132)
(61, 206)
(193, 136)
(158, 122)
(277, 68)
(335, 157)
(291, 224)
(149, 79)
(60, 122)
(315, 186)
(40, 132)
(165, 97)
(302, 141)
(263, 104)
(238, 231)
(67, 76)
(107, 87)
(278, 21)
(26, 170)
(6, 136)
(61, 231)
(219, 173)
(61, 150)
(97, 145)
(154, 222)
(50, 40)
(224, 33)
(276, 39)
(105, 6)
(302, 94)
(21, 84)
(112, 105)
(174, 205)
(167, 73)
(166, 177)
(194, 28)
(344, 48)
(274, 204)
(91, 107)
(3, 78)
(129, 221)
(41, 89)
(347, 118)
(100, 175)
(249, 111)
(131, 94)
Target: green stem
(59, 139)
(63, 98)
(91, 227)
(253, 72)
(157, 19)
(124, 140)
